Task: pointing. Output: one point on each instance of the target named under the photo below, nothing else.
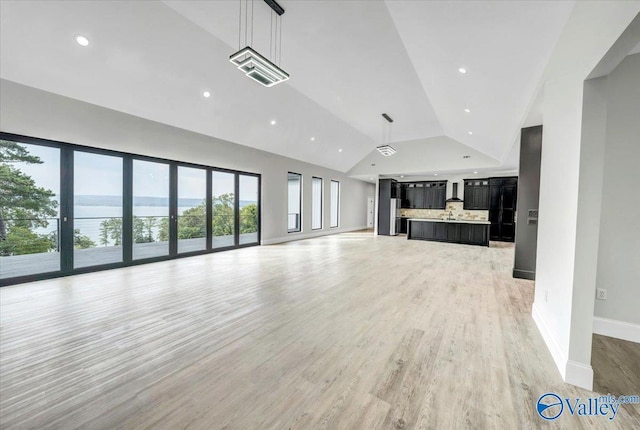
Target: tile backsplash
(454, 207)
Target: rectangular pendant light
(258, 68)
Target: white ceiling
(349, 61)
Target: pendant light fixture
(386, 150)
(262, 69)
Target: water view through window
(68, 209)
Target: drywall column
(619, 245)
(559, 174)
(524, 265)
(592, 29)
(594, 123)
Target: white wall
(563, 308)
(619, 248)
(32, 112)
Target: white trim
(315, 233)
(618, 329)
(579, 374)
(558, 356)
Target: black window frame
(321, 203)
(298, 229)
(337, 205)
(67, 151)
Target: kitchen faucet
(450, 216)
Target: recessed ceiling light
(462, 70)
(402, 176)
(372, 179)
(81, 40)
(435, 174)
(475, 173)
(273, 122)
(470, 132)
(313, 138)
(206, 94)
(340, 150)
(467, 110)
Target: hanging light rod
(384, 115)
(273, 4)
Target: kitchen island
(469, 232)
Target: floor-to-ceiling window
(294, 199)
(151, 217)
(223, 209)
(316, 203)
(29, 209)
(249, 219)
(192, 209)
(97, 209)
(335, 203)
(68, 209)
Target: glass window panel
(294, 213)
(248, 209)
(150, 209)
(335, 203)
(97, 209)
(29, 209)
(316, 203)
(192, 213)
(223, 201)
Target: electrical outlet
(601, 294)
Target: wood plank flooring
(342, 332)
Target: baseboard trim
(301, 236)
(579, 374)
(524, 274)
(618, 329)
(552, 345)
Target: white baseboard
(556, 353)
(618, 329)
(572, 372)
(300, 236)
(579, 374)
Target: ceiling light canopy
(265, 71)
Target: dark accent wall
(528, 196)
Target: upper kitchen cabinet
(425, 195)
(476, 194)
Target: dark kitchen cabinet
(502, 210)
(476, 194)
(403, 225)
(425, 195)
(455, 232)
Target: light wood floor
(343, 332)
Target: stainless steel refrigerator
(394, 217)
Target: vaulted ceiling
(349, 62)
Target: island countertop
(454, 221)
